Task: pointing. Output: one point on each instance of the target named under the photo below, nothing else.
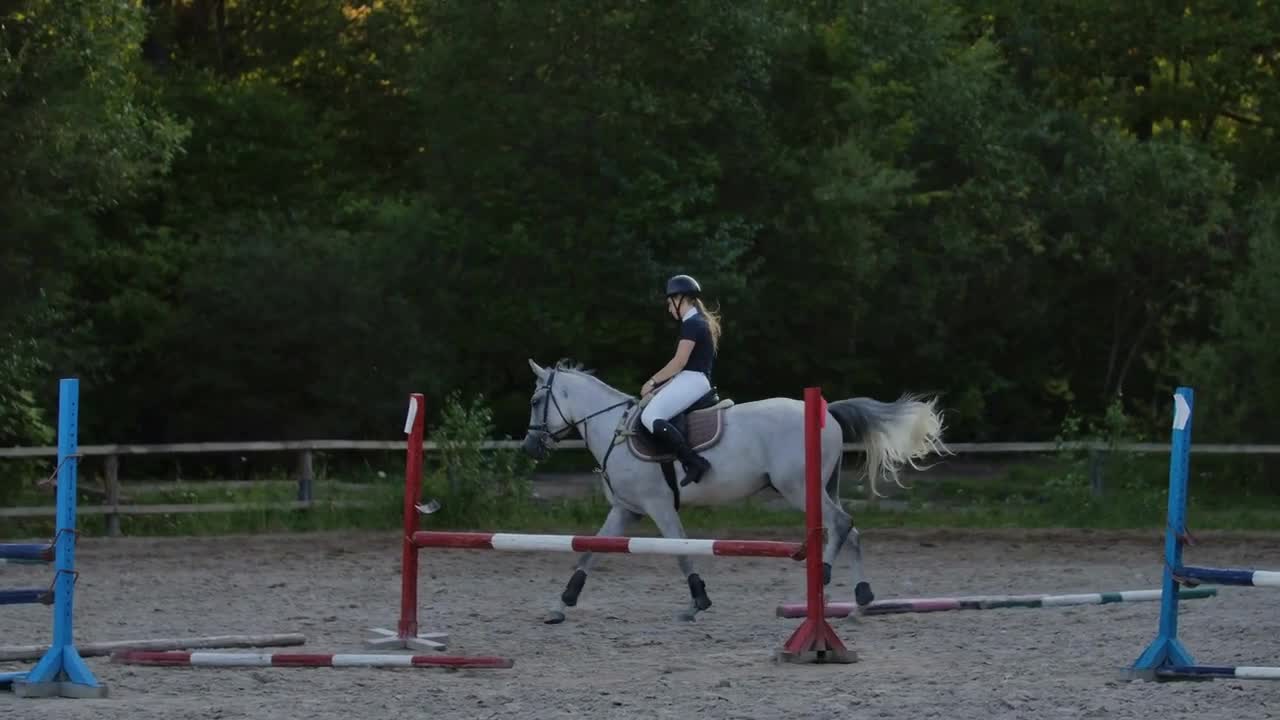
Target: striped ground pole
(97, 649)
(990, 602)
(7, 678)
(338, 660)
(1105, 598)
(1230, 576)
(605, 544)
(1192, 672)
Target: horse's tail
(894, 433)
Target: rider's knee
(647, 417)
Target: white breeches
(678, 394)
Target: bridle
(543, 429)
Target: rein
(544, 427)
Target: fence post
(1097, 459)
(305, 475)
(111, 477)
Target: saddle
(702, 424)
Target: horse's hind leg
(790, 484)
(615, 523)
(668, 522)
(835, 517)
(841, 525)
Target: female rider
(687, 376)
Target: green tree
(1237, 373)
(593, 149)
(79, 139)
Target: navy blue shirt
(702, 359)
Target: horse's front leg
(615, 524)
(668, 522)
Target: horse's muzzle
(536, 444)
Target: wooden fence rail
(300, 445)
(113, 509)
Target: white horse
(750, 446)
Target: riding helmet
(683, 285)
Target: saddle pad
(703, 430)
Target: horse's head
(549, 417)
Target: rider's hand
(647, 387)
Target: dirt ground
(623, 655)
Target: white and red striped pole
(516, 542)
(337, 660)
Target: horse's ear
(542, 374)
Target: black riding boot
(694, 464)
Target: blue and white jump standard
(1166, 658)
(61, 672)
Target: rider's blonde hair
(713, 320)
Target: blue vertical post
(62, 671)
(1166, 649)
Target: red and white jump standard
(406, 635)
(813, 641)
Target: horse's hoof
(555, 617)
(826, 573)
(862, 594)
(698, 590)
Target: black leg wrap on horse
(826, 573)
(571, 591)
(862, 594)
(698, 590)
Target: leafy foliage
(474, 484)
(275, 219)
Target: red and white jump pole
(513, 542)
(337, 660)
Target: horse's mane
(572, 365)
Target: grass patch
(491, 490)
(1011, 502)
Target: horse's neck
(591, 397)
